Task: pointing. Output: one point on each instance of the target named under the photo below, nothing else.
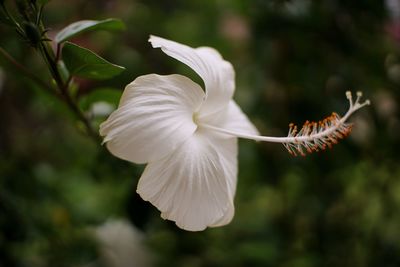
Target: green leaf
(85, 63)
(88, 25)
(102, 94)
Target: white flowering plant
(187, 135)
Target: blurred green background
(64, 201)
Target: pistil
(313, 136)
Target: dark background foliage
(294, 60)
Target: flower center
(195, 118)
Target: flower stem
(26, 72)
(63, 87)
(50, 59)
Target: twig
(58, 52)
(50, 59)
(63, 95)
(29, 74)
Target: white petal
(195, 185)
(233, 119)
(238, 121)
(218, 74)
(227, 218)
(155, 115)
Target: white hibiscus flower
(188, 137)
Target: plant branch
(63, 88)
(58, 52)
(29, 74)
(48, 55)
(51, 59)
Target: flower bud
(32, 33)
